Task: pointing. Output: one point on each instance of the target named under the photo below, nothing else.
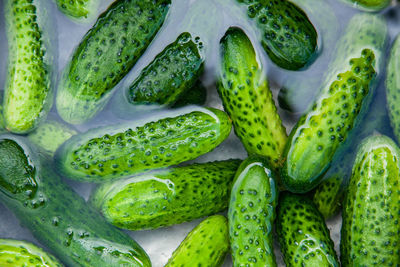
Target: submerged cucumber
(206, 245)
(56, 215)
(197, 95)
(369, 5)
(29, 84)
(77, 9)
(370, 228)
(106, 54)
(166, 197)
(120, 151)
(251, 214)
(248, 100)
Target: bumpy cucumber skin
(29, 84)
(167, 197)
(206, 245)
(370, 226)
(329, 195)
(248, 100)
(302, 232)
(369, 5)
(78, 236)
(252, 213)
(77, 9)
(197, 95)
(119, 151)
(170, 74)
(15, 253)
(106, 54)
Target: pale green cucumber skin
(369, 5)
(206, 245)
(123, 150)
(78, 10)
(166, 197)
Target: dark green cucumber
(248, 100)
(166, 197)
(122, 150)
(303, 235)
(345, 94)
(206, 245)
(29, 84)
(252, 213)
(369, 5)
(77, 9)
(370, 228)
(15, 253)
(106, 54)
(56, 215)
(197, 95)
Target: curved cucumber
(370, 225)
(15, 253)
(248, 100)
(120, 151)
(56, 215)
(77, 9)
(206, 245)
(197, 95)
(303, 235)
(346, 93)
(106, 54)
(251, 214)
(369, 5)
(166, 197)
(29, 84)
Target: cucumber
(166, 197)
(206, 245)
(252, 213)
(77, 9)
(122, 150)
(370, 228)
(248, 100)
(197, 95)
(369, 5)
(56, 215)
(345, 94)
(29, 83)
(104, 57)
(328, 195)
(15, 253)
(302, 233)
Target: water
(214, 19)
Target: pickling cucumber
(106, 54)
(206, 245)
(248, 100)
(370, 227)
(197, 95)
(369, 5)
(56, 215)
(119, 151)
(252, 213)
(77, 9)
(29, 83)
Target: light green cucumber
(106, 54)
(206, 245)
(252, 213)
(369, 5)
(122, 150)
(78, 9)
(166, 197)
(29, 82)
(370, 227)
(248, 100)
(197, 95)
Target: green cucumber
(106, 54)
(248, 100)
(119, 151)
(370, 227)
(29, 83)
(77, 9)
(56, 215)
(166, 197)
(206, 245)
(329, 194)
(252, 213)
(15, 253)
(369, 5)
(302, 232)
(345, 94)
(197, 95)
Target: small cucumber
(252, 213)
(56, 215)
(248, 100)
(77, 9)
(370, 227)
(166, 197)
(197, 95)
(106, 54)
(303, 235)
(29, 83)
(369, 5)
(206, 245)
(119, 151)
(15, 253)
